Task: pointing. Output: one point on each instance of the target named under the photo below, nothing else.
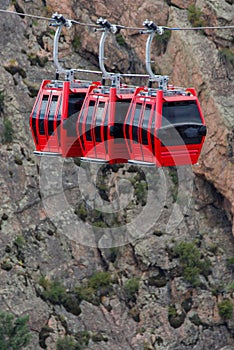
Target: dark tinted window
(80, 126)
(152, 133)
(145, 122)
(89, 120)
(106, 127)
(98, 121)
(180, 135)
(180, 112)
(180, 124)
(135, 123)
(75, 103)
(127, 127)
(59, 120)
(121, 110)
(120, 116)
(34, 121)
(51, 116)
(42, 115)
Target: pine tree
(14, 332)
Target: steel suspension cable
(117, 25)
(25, 14)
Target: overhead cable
(117, 25)
(200, 28)
(25, 14)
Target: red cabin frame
(149, 126)
(106, 124)
(53, 118)
(100, 125)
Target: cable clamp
(58, 19)
(152, 27)
(106, 25)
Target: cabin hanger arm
(60, 21)
(107, 28)
(152, 29)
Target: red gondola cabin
(164, 128)
(53, 118)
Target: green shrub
(230, 263)
(113, 254)
(76, 42)
(213, 248)
(8, 131)
(140, 192)
(100, 279)
(56, 293)
(67, 343)
(20, 241)
(195, 319)
(192, 263)
(131, 287)
(98, 337)
(100, 224)
(44, 282)
(83, 337)
(230, 287)
(175, 319)
(120, 39)
(225, 309)
(86, 293)
(14, 332)
(227, 55)
(81, 211)
(195, 16)
(6, 265)
(161, 41)
(99, 284)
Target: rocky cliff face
(165, 278)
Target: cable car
(58, 103)
(161, 126)
(54, 116)
(100, 125)
(163, 129)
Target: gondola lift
(112, 123)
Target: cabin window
(106, 127)
(135, 123)
(127, 126)
(180, 112)
(145, 122)
(59, 121)
(89, 118)
(75, 103)
(42, 115)
(34, 121)
(180, 124)
(98, 121)
(51, 116)
(152, 134)
(80, 127)
(120, 115)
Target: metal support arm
(59, 21)
(151, 29)
(107, 28)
